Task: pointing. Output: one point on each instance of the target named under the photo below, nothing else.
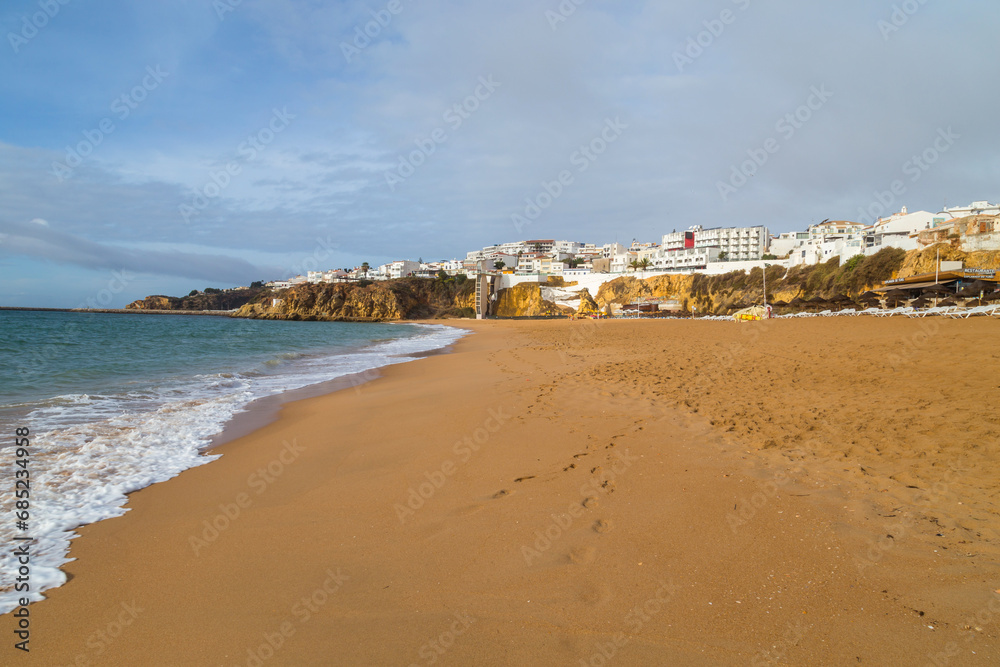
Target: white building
(834, 229)
(783, 243)
(401, 268)
(612, 250)
(620, 263)
(331, 276)
(738, 243)
(975, 208)
(899, 230)
(589, 252)
(690, 259)
(817, 250)
(567, 247)
(905, 223)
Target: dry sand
(618, 492)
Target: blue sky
(160, 147)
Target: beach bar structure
(650, 307)
(954, 280)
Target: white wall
(718, 268)
(989, 241)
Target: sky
(160, 147)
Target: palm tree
(364, 268)
(634, 264)
(644, 263)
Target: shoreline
(121, 311)
(265, 410)
(237, 422)
(592, 451)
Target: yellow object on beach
(753, 313)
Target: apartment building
(690, 259)
(734, 243)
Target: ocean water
(115, 403)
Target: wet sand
(580, 493)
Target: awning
(911, 286)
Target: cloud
(356, 119)
(39, 241)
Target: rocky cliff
(227, 300)
(405, 299)
(723, 294)
(924, 261)
(525, 300)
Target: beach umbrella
(817, 302)
(920, 303)
(948, 302)
(974, 288)
(992, 296)
(841, 301)
(975, 303)
(938, 288)
(897, 296)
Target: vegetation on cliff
(403, 299)
(210, 299)
(722, 294)
(446, 296)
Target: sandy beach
(816, 491)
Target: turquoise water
(115, 403)
(44, 353)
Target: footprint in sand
(603, 526)
(593, 594)
(468, 510)
(569, 467)
(501, 493)
(582, 555)
(590, 502)
(527, 477)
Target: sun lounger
(937, 310)
(965, 313)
